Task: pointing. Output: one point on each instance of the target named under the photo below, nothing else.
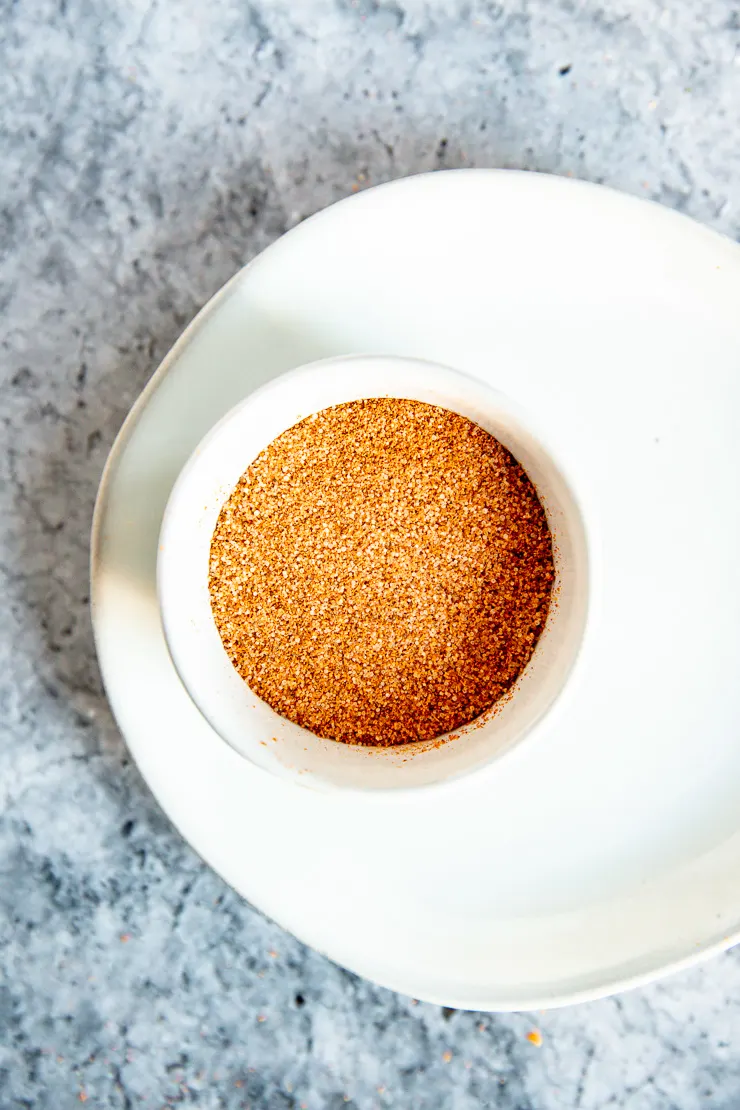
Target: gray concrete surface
(148, 149)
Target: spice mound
(381, 572)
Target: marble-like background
(149, 148)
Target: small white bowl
(235, 712)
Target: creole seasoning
(381, 572)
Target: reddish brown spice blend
(381, 572)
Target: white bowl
(235, 712)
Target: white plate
(608, 851)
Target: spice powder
(381, 572)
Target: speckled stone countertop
(148, 150)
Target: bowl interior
(235, 712)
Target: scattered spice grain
(381, 572)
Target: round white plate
(607, 851)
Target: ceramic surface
(592, 310)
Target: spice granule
(381, 572)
